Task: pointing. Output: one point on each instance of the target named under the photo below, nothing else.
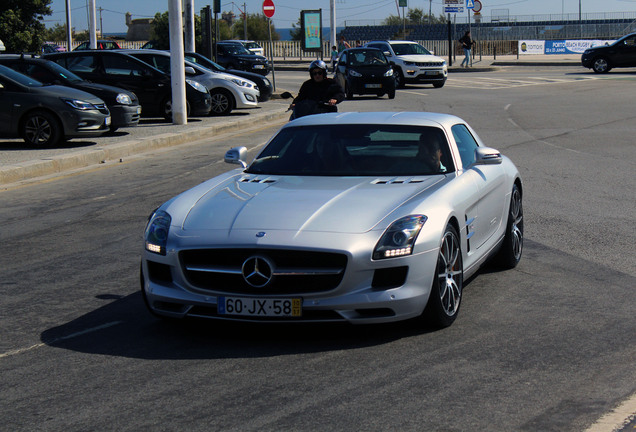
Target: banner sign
(311, 24)
(529, 47)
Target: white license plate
(373, 85)
(139, 109)
(107, 121)
(258, 307)
(259, 66)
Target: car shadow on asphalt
(125, 328)
(19, 145)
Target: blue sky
(288, 11)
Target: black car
(602, 59)
(123, 105)
(100, 44)
(44, 115)
(151, 86)
(233, 55)
(264, 85)
(365, 71)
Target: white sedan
(356, 217)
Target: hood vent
(399, 180)
(257, 180)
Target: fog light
(82, 124)
(249, 97)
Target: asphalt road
(548, 346)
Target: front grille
(102, 108)
(294, 271)
(429, 64)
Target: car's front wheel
(41, 129)
(601, 65)
(222, 102)
(446, 292)
(166, 109)
(399, 78)
(439, 84)
(510, 253)
(348, 92)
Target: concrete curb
(114, 152)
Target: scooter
(308, 107)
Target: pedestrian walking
(467, 43)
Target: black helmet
(318, 64)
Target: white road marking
(72, 335)
(414, 92)
(617, 418)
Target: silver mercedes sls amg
(354, 217)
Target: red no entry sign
(268, 8)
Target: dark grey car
(123, 105)
(43, 115)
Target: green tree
(257, 28)
(56, 33)
(392, 20)
(416, 16)
(296, 32)
(21, 26)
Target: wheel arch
(25, 114)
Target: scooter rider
(320, 88)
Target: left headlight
(239, 82)
(197, 86)
(389, 72)
(354, 73)
(156, 235)
(79, 104)
(399, 237)
(123, 99)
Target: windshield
(355, 150)
(18, 77)
(205, 62)
(64, 73)
(411, 48)
(236, 49)
(367, 58)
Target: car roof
(385, 118)
(393, 41)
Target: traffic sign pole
(268, 10)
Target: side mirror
(388, 53)
(236, 155)
(487, 156)
(189, 70)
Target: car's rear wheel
(601, 65)
(222, 102)
(41, 129)
(446, 292)
(510, 252)
(399, 78)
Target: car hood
(248, 57)
(103, 90)
(371, 70)
(323, 204)
(421, 58)
(68, 93)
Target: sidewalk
(20, 164)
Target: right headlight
(399, 237)
(156, 235)
(197, 86)
(354, 73)
(124, 99)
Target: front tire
(601, 65)
(166, 109)
(399, 78)
(222, 103)
(41, 129)
(349, 92)
(446, 292)
(510, 253)
(439, 84)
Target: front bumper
(200, 103)
(85, 124)
(359, 298)
(125, 115)
(414, 74)
(366, 85)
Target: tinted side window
(121, 66)
(81, 64)
(466, 144)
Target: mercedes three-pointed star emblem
(257, 271)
